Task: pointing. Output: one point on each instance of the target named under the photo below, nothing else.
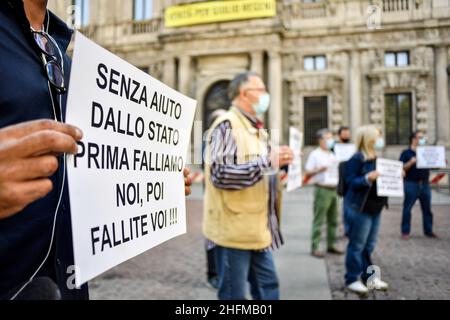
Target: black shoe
(432, 235)
(214, 282)
(334, 250)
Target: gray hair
(236, 84)
(321, 133)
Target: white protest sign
(126, 183)
(295, 169)
(332, 174)
(390, 181)
(344, 151)
(431, 157)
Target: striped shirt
(227, 174)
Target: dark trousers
(238, 268)
(211, 258)
(414, 191)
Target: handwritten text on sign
(390, 181)
(126, 182)
(431, 157)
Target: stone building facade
(326, 63)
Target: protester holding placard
(36, 253)
(364, 208)
(344, 136)
(242, 199)
(416, 186)
(319, 163)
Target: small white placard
(344, 151)
(390, 181)
(431, 157)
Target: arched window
(215, 98)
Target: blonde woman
(364, 208)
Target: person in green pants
(321, 167)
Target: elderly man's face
(253, 89)
(323, 141)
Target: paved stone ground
(418, 268)
(177, 268)
(301, 275)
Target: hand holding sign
(373, 175)
(281, 156)
(28, 157)
(187, 181)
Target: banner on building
(126, 183)
(218, 11)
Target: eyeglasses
(54, 65)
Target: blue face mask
(330, 144)
(379, 144)
(263, 104)
(422, 141)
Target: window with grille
(315, 117)
(398, 118)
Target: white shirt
(320, 158)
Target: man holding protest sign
(416, 186)
(241, 209)
(343, 151)
(36, 254)
(322, 167)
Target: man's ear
(242, 94)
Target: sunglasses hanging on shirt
(54, 59)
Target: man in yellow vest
(242, 203)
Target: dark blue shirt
(24, 96)
(414, 174)
(358, 195)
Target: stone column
(184, 86)
(275, 89)
(346, 88)
(355, 94)
(257, 61)
(442, 104)
(184, 75)
(169, 72)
